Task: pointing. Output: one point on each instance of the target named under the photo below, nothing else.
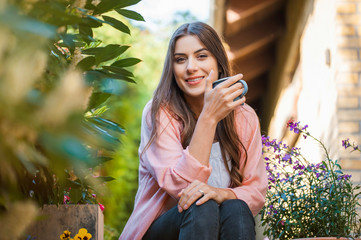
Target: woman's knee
(205, 213)
(235, 208)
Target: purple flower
(286, 157)
(346, 143)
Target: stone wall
(348, 77)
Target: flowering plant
(305, 199)
(82, 235)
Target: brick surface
(350, 66)
(347, 78)
(356, 175)
(349, 115)
(348, 18)
(349, 91)
(343, 42)
(345, 7)
(346, 30)
(349, 127)
(348, 54)
(351, 165)
(348, 102)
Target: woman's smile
(192, 64)
(194, 80)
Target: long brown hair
(169, 97)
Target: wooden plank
(254, 38)
(55, 220)
(241, 14)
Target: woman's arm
(173, 167)
(254, 184)
(218, 103)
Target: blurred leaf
(113, 86)
(68, 40)
(106, 124)
(107, 5)
(9, 17)
(106, 178)
(86, 63)
(75, 195)
(92, 22)
(106, 53)
(96, 99)
(74, 148)
(126, 62)
(117, 24)
(119, 70)
(130, 14)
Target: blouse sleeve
(165, 159)
(254, 185)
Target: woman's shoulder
(164, 115)
(246, 112)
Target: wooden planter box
(54, 220)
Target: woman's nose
(192, 65)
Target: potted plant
(55, 79)
(307, 199)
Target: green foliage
(127, 110)
(54, 70)
(304, 199)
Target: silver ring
(201, 191)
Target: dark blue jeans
(229, 221)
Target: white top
(219, 176)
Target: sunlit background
(300, 58)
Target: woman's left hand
(203, 192)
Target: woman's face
(192, 64)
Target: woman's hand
(218, 101)
(198, 189)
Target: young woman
(201, 173)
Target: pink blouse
(165, 168)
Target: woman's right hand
(218, 101)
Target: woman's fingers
(189, 195)
(196, 191)
(209, 81)
(230, 81)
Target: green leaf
(119, 70)
(93, 22)
(97, 99)
(86, 63)
(130, 14)
(74, 148)
(126, 62)
(105, 178)
(86, 33)
(103, 54)
(68, 40)
(106, 124)
(127, 3)
(75, 195)
(117, 24)
(112, 86)
(9, 17)
(107, 5)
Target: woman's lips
(195, 80)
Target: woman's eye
(202, 56)
(180, 60)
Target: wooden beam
(241, 14)
(254, 38)
(254, 65)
